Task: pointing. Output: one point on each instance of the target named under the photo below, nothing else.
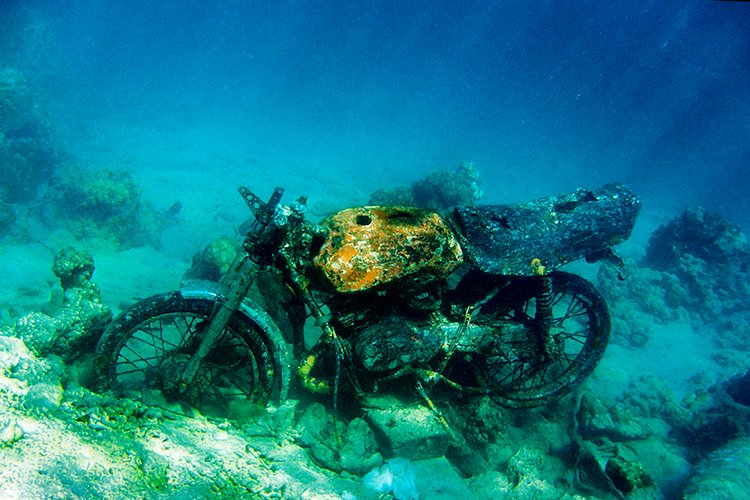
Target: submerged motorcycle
(471, 302)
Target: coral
(36, 330)
(102, 203)
(75, 327)
(647, 298)
(711, 258)
(444, 189)
(702, 234)
(732, 328)
(27, 153)
(440, 190)
(214, 260)
(659, 294)
(7, 214)
(73, 268)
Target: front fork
(238, 280)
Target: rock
(408, 431)
(627, 476)
(271, 421)
(723, 473)
(662, 461)
(597, 422)
(437, 478)
(13, 354)
(10, 432)
(716, 415)
(359, 451)
(531, 484)
(484, 428)
(353, 449)
(397, 476)
(313, 424)
(490, 484)
(526, 463)
(44, 397)
(214, 260)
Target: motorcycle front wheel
(524, 367)
(143, 353)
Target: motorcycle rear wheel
(144, 351)
(522, 372)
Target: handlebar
(263, 211)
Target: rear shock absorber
(543, 314)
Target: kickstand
(438, 414)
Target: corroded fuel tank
(377, 247)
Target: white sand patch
(26, 279)
(130, 275)
(675, 353)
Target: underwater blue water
(336, 99)
(542, 97)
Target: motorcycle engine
(387, 332)
(396, 342)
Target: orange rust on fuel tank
(370, 247)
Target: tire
(521, 370)
(145, 349)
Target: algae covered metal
(556, 230)
(375, 280)
(370, 247)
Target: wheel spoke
(542, 369)
(154, 349)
